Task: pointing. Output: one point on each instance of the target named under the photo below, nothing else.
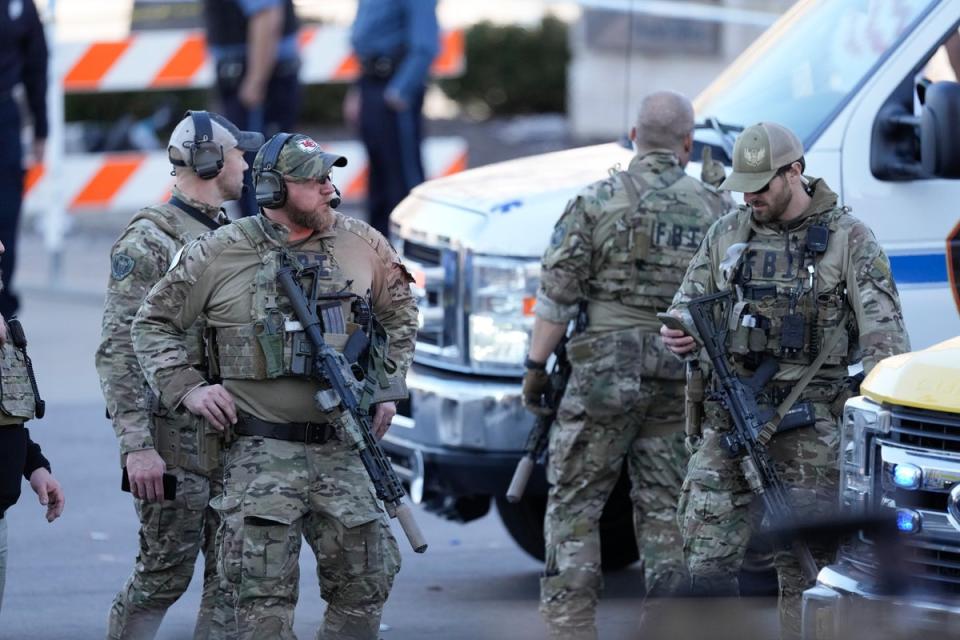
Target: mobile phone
(672, 322)
(169, 484)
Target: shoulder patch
(121, 266)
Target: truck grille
(931, 441)
(926, 430)
(934, 569)
(440, 339)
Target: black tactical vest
(227, 25)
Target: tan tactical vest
(793, 297)
(16, 394)
(652, 241)
(274, 344)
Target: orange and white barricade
(125, 182)
(178, 59)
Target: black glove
(536, 383)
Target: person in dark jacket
(18, 453)
(254, 47)
(395, 43)
(23, 59)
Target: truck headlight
(863, 420)
(503, 292)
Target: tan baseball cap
(759, 151)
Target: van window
(944, 65)
(805, 68)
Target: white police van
(853, 78)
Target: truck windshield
(806, 67)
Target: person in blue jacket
(395, 43)
(254, 47)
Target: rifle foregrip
(521, 476)
(410, 528)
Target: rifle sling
(770, 428)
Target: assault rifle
(536, 446)
(327, 366)
(739, 397)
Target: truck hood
(508, 208)
(927, 379)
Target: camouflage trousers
(717, 511)
(277, 493)
(172, 533)
(586, 458)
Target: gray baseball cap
(759, 151)
(225, 133)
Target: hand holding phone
(169, 484)
(675, 335)
(672, 322)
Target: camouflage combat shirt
(847, 288)
(215, 277)
(138, 259)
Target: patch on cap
(307, 145)
(754, 157)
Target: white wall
(601, 103)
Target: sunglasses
(780, 172)
(318, 179)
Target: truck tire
(618, 547)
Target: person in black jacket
(19, 402)
(23, 59)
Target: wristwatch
(533, 364)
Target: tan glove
(535, 384)
(711, 171)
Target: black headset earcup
(206, 156)
(207, 160)
(271, 191)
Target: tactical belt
(380, 67)
(231, 70)
(307, 432)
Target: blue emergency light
(907, 476)
(908, 521)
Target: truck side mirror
(940, 130)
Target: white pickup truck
(853, 78)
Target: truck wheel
(524, 523)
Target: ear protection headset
(206, 156)
(271, 190)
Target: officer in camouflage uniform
(621, 247)
(20, 456)
(814, 290)
(154, 439)
(290, 472)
